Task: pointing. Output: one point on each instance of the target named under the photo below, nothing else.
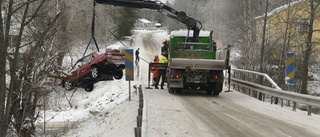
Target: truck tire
(209, 89)
(175, 90)
(178, 90)
(171, 90)
(217, 88)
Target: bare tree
(3, 95)
(309, 45)
(30, 58)
(4, 44)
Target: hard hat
(164, 42)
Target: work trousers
(162, 74)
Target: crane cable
(92, 30)
(114, 35)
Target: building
(144, 24)
(287, 27)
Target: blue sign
(290, 68)
(129, 65)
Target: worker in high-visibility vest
(162, 72)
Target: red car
(94, 68)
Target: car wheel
(68, 85)
(95, 73)
(118, 74)
(89, 88)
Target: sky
(107, 111)
(170, 1)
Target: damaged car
(93, 68)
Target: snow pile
(106, 95)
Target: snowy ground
(98, 109)
(106, 111)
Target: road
(193, 113)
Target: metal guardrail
(273, 89)
(138, 129)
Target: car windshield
(78, 64)
(82, 61)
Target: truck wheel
(171, 90)
(89, 88)
(209, 89)
(175, 90)
(95, 73)
(217, 88)
(178, 90)
(68, 85)
(118, 74)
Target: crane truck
(194, 62)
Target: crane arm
(181, 16)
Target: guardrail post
(294, 106)
(139, 121)
(137, 132)
(140, 111)
(140, 104)
(309, 110)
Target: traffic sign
(129, 65)
(290, 68)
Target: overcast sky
(164, 1)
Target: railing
(248, 82)
(138, 129)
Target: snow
(281, 8)
(144, 21)
(170, 1)
(107, 111)
(184, 32)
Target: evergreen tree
(125, 22)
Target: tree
(3, 91)
(309, 45)
(29, 61)
(125, 21)
(248, 16)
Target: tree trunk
(14, 88)
(5, 102)
(248, 33)
(263, 39)
(308, 50)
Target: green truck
(195, 65)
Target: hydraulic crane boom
(162, 8)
